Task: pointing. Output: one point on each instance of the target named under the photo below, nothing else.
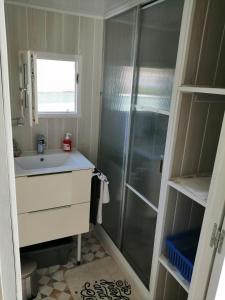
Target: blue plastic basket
(181, 250)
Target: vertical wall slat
(181, 134)
(54, 28)
(70, 34)
(36, 29)
(196, 39)
(194, 138)
(96, 89)
(15, 43)
(181, 220)
(17, 40)
(86, 51)
(55, 133)
(220, 78)
(211, 43)
(209, 147)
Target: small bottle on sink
(67, 142)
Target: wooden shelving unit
(196, 119)
(201, 90)
(194, 187)
(174, 272)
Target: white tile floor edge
(121, 261)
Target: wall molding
(121, 8)
(113, 11)
(128, 4)
(43, 8)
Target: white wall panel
(40, 30)
(86, 46)
(96, 87)
(36, 29)
(81, 7)
(54, 36)
(17, 39)
(70, 33)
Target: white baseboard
(119, 258)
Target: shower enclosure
(139, 62)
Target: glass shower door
(159, 36)
(117, 90)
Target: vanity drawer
(43, 192)
(42, 226)
(81, 191)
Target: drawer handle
(47, 209)
(54, 173)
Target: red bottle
(67, 142)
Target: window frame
(77, 59)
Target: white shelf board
(174, 272)
(200, 89)
(194, 187)
(146, 108)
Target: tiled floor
(52, 283)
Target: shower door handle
(161, 166)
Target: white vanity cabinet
(52, 206)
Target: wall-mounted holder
(27, 64)
(19, 121)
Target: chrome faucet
(41, 143)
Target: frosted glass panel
(159, 36)
(118, 74)
(138, 242)
(157, 51)
(160, 29)
(146, 153)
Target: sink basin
(42, 161)
(50, 163)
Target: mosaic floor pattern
(52, 284)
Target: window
(57, 84)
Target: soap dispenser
(67, 142)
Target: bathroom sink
(42, 161)
(50, 163)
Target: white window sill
(58, 115)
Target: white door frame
(9, 244)
(216, 284)
(0, 287)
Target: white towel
(104, 198)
